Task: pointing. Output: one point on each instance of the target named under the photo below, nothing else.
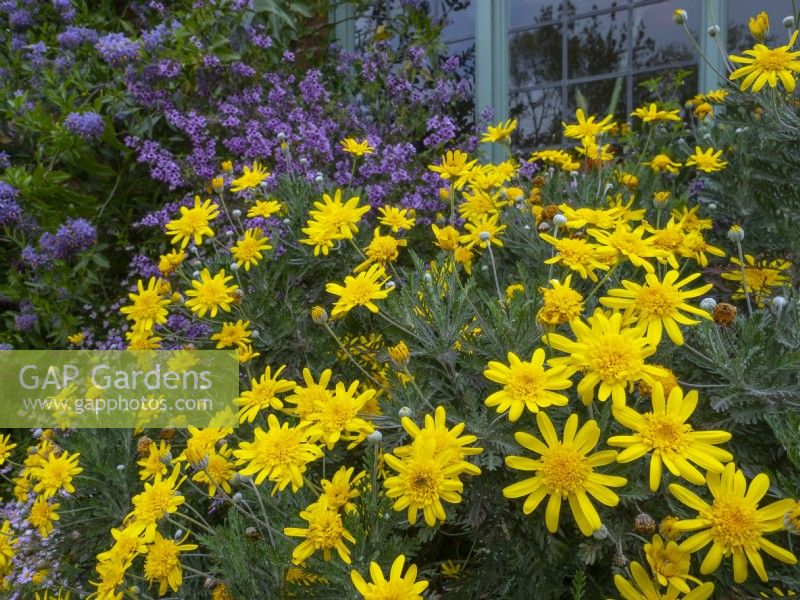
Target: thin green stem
(494, 272)
(744, 278)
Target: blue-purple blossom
(88, 125)
(117, 49)
(74, 36)
(73, 237)
(24, 322)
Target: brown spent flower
(724, 314)
(550, 211)
(167, 434)
(143, 445)
(644, 523)
(538, 181)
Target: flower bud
(544, 226)
(237, 497)
(234, 267)
(390, 285)
(788, 22)
(484, 236)
(319, 315)
(318, 178)
(778, 303)
(759, 26)
(281, 136)
(680, 16)
(376, 437)
(178, 534)
(227, 166)
(120, 468)
(713, 31)
(559, 220)
(708, 304)
(736, 234)
(601, 533)
(667, 528)
(404, 412)
(236, 213)
(400, 354)
(218, 183)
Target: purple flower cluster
(73, 37)
(160, 161)
(441, 129)
(117, 49)
(10, 210)
(71, 238)
(88, 125)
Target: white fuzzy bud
(713, 31)
(708, 304)
(376, 437)
(234, 267)
(390, 285)
(778, 302)
(544, 226)
(680, 16)
(318, 178)
(236, 213)
(788, 22)
(559, 220)
(484, 236)
(600, 534)
(404, 412)
(120, 468)
(281, 136)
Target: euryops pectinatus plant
(577, 380)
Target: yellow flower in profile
(560, 303)
(483, 227)
(760, 275)
(156, 501)
(248, 251)
(76, 339)
(587, 127)
(396, 218)
(526, 385)
(193, 224)
(140, 338)
(397, 587)
(232, 334)
(211, 294)
(759, 26)
(607, 354)
(564, 470)
(593, 151)
(325, 532)
(764, 65)
(514, 290)
(7, 543)
(644, 588)
(156, 462)
(669, 564)
(659, 304)
(169, 262)
(343, 488)
(694, 246)
(650, 114)
(263, 394)
(446, 237)
(733, 523)
(454, 165)
(251, 177)
(356, 147)
(706, 160)
(501, 132)
(382, 249)
(434, 436)
(281, 454)
(306, 397)
(42, 516)
(337, 416)
(332, 220)
(631, 244)
(579, 255)
(424, 479)
(148, 306)
(264, 209)
(162, 562)
(55, 473)
(112, 574)
(5, 447)
(128, 544)
(662, 163)
(218, 472)
(360, 290)
(559, 158)
(672, 441)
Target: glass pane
(600, 98)
(459, 18)
(534, 56)
(598, 44)
(539, 113)
(657, 40)
(580, 7)
(739, 13)
(524, 13)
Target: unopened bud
(236, 213)
(708, 304)
(601, 533)
(376, 437)
(680, 16)
(404, 412)
(736, 233)
(484, 236)
(319, 315)
(234, 267)
(778, 303)
(713, 31)
(788, 22)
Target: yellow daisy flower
(564, 470)
(397, 587)
(764, 65)
(325, 532)
(251, 177)
(501, 132)
(211, 294)
(360, 290)
(356, 147)
(193, 223)
(706, 160)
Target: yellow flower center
(155, 502)
(564, 470)
(361, 291)
(423, 483)
(325, 530)
(734, 522)
(668, 561)
(613, 359)
(194, 220)
(658, 301)
(666, 433)
(162, 558)
(527, 382)
(772, 59)
(383, 248)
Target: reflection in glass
(459, 18)
(539, 116)
(597, 45)
(526, 13)
(641, 95)
(604, 97)
(658, 41)
(534, 56)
